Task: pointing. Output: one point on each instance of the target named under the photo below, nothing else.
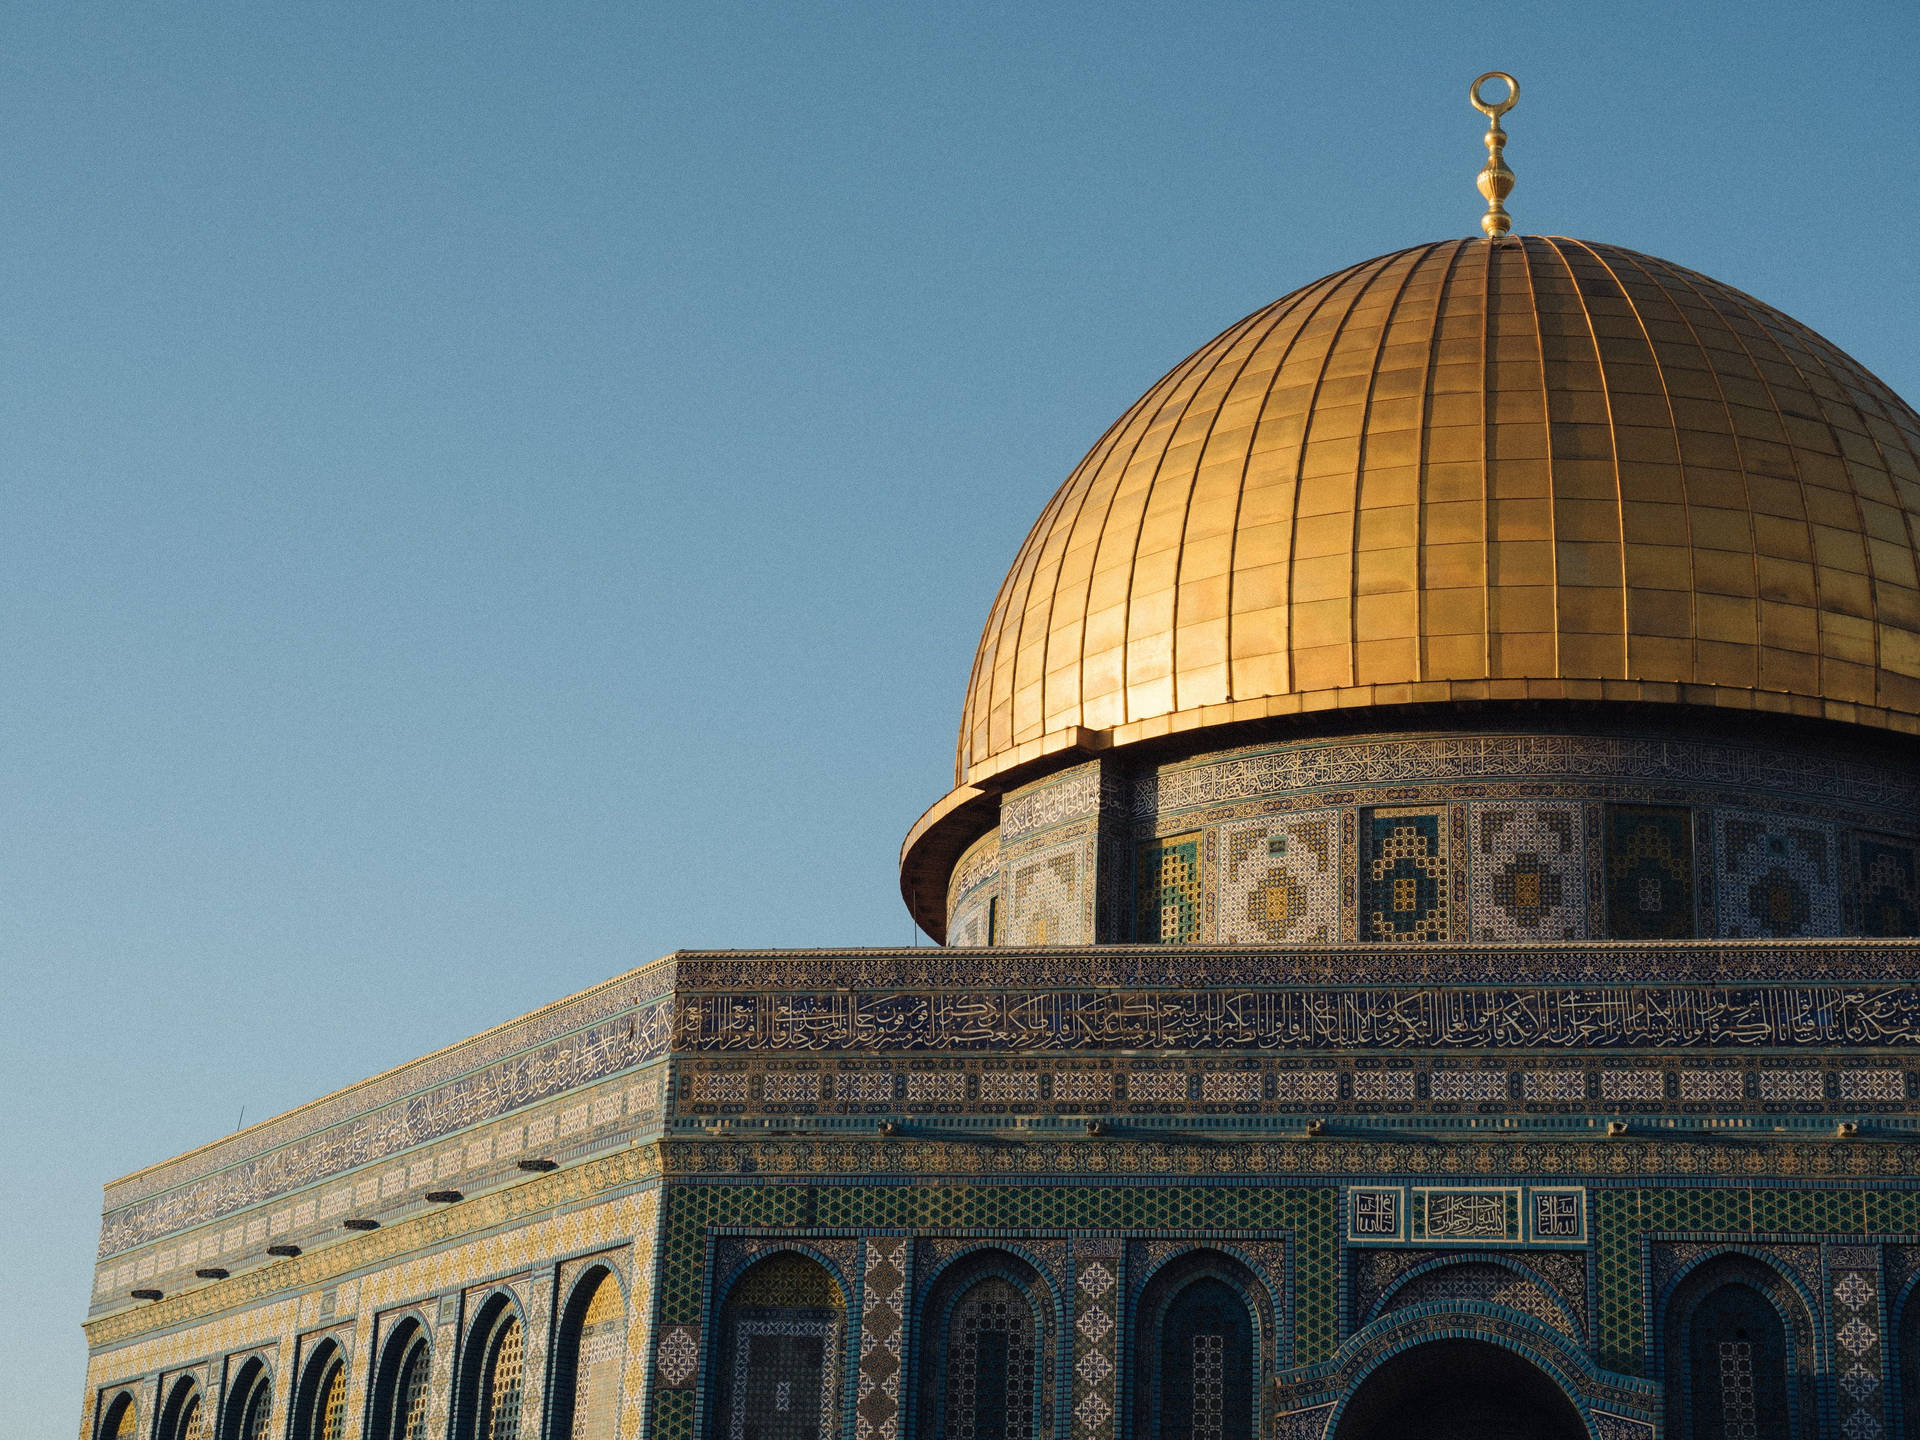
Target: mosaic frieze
(1649, 872)
(973, 895)
(1404, 876)
(1181, 967)
(1817, 775)
(1889, 886)
(1382, 1017)
(1278, 880)
(420, 1081)
(592, 1054)
(1073, 795)
(606, 1114)
(1777, 878)
(1529, 871)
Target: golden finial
(1496, 180)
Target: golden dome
(1537, 469)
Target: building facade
(1429, 901)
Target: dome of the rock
(1535, 470)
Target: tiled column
(883, 1324)
(1859, 1344)
(1096, 1339)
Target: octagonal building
(1428, 902)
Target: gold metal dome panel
(1539, 468)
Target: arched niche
(119, 1417)
(320, 1398)
(1737, 1346)
(184, 1414)
(1196, 1350)
(986, 1351)
(489, 1403)
(249, 1402)
(589, 1352)
(782, 1326)
(400, 1380)
(1459, 1389)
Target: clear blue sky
(493, 494)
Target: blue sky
(496, 493)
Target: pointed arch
(783, 1324)
(492, 1380)
(400, 1383)
(249, 1408)
(986, 1358)
(320, 1398)
(587, 1360)
(1737, 1341)
(185, 1416)
(1197, 1350)
(119, 1416)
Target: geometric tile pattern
(1483, 1282)
(1279, 880)
(1649, 869)
(1776, 878)
(1096, 1327)
(1403, 877)
(1854, 1320)
(1528, 871)
(883, 1323)
(1045, 902)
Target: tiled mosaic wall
(1502, 837)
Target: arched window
(185, 1415)
(400, 1384)
(1737, 1366)
(250, 1403)
(1196, 1351)
(984, 1353)
(493, 1374)
(593, 1342)
(320, 1403)
(120, 1417)
(780, 1336)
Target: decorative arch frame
(712, 1329)
(306, 1387)
(115, 1405)
(490, 1316)
(1272, 1293)
(1402, 1330)
(400, 1333)
(253, 1371)
(1312, 1400)
(1383, 1303)
(1681, 1297)
(941, 1287)
(565, 1359)
(1159, 1286)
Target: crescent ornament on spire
(1495, 180)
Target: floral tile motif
(1528, 871)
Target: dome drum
(1517, 828)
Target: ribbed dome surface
(1538, 469)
